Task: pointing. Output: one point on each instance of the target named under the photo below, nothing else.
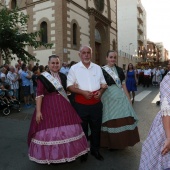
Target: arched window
(114, 45)
(13, 4)
(44, 37)
(74, 34)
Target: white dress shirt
(88, 79)
(147, 72)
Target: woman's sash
(113, 75)
(56, 83)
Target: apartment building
(132, 38)
(163, 53)
(68, 24)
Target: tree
(14, 36)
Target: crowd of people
(20, 81)
(83, 101)
(150, 75)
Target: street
(13, 140)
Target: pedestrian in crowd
(47, 68)
(4, 78)
(162, 70)
(64, 69)
(71, 96)
(31, 82)
(4, 75)
(19, 62)
(13, 81)
(88, 78)
(72, 63)
(7, 67)
(156, 148)
(119, 122)
(34, 79)
(41, 69)
(141, 76)
(37, 64)
(20, 90)
(25, 77)
(147, 76)
(131, 81)
(136, 71)
(166, 70)
(156, 77)
(17, 68)
(55, 134)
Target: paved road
(13, 146)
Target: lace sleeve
(165, 107)
(165, 96)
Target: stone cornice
(98, 15)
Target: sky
(158, 21)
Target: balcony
(140, 38)
(140, 18)
(140, 28)
(140, 8)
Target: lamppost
(129, 48)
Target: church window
(44, 36)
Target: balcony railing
(140, 38)
(140, 8)
(140, 18)
(140, 28)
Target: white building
(131, 18)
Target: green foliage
(14, 37)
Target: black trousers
(91, 116)
(146, 81)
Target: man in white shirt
(85, 79)
(147, 77)
(13, 80)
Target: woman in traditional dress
(55, 134)
(131, 81)
(155, 150)
(119, 123)
(156, 77)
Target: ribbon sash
(113, 75)
(56, 83)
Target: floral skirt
(58, 145)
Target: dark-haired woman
(55, 134)
(131, 81)
(119, 122)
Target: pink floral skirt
(58, 145)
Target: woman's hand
(166, 147)
(39, 117)
(97, 95)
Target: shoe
(97, 155)
(84, 158)
(132, 101)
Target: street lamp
(129, 47)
